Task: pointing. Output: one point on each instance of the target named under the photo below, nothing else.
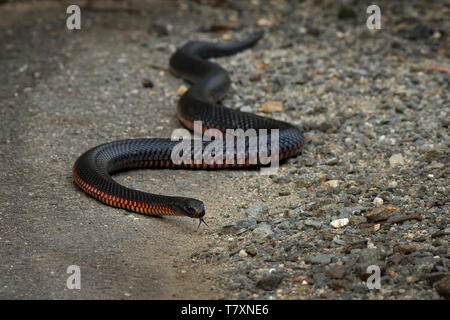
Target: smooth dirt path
(63, 92)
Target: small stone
(307, 180)
(436, 165)
(354, 191)
(271, 106)
(340, 284)
(262, 231)
(357, 220)
(246, 109)
(313, 223)
(263, 22)
(269, 282)
(406, 248)
(377, 214)
(181, 90)
(339, 223)
(332, 161)
(238, 226)
(339, 241)
(378, 201)
(243, 253)
(392, 184)
(255, 77)
(322, 177)
(396, 160)
(443, 287)
(320, 259)
(251, 251)
(257, 212)
(332, 183)
(337, 271)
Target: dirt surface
(63, 92)
(375, 103)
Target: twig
(413, 216)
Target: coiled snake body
(92, 170)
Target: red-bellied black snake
(92, 170)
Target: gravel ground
(370, 188)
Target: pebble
(357, 220)
(271, 106)
(336, 271)
(255, 77)
(262, 231)
(377, 214)
(339, 223)
(181, 90)
(307, 180)
(378, 201)
(238, 226)
(332, 161)
(320, 259)
(312, 223)
(246, 109)
(269, 282)
(392, 184)
(243, 253)
(396, 160)
(406, 248)
(257, 212)
(332, 183)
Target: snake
(209, 83)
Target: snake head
(190, 207)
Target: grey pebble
(257, 212)
(320, 259)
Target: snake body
(210, 82)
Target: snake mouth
(189, 207)
(197, 212)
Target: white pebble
(333, 183)
(339, 223)
(243, 254)
(392, 184)
(378, 201)
(396, 160)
